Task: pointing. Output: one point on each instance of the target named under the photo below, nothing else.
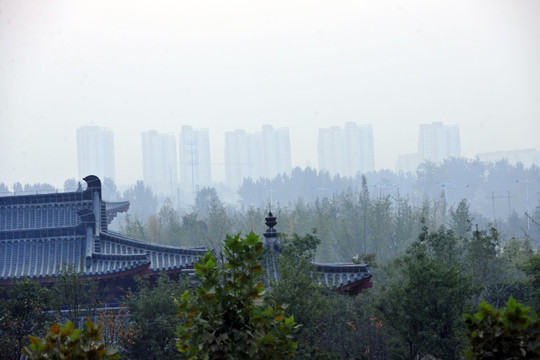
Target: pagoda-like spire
(270, 234)
(272, 247)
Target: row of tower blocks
(169, 162)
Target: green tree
(204, 199)
(74, 295)
(4, 190)
(252, 219)
(110, 191)
(169, 224)
(380, 226)
(218, 224)
(352, 224)
(404, 226)
(25, 310)
(298, 288)
(508, 333)
(225, 317)
(153, 313)
(70, 185)
(424, 302)
(66, 342)
(493, 270)
(460, 219)
(134, 228)
(193, 230)
(532, 268)
(143, 200)
(443, 245)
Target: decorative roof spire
(272, 248)
(270, 234)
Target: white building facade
(346, 151)
(160, 170)
(195, 164)
(276, 151)
(254, 155)
(437, 142)
(95, 152)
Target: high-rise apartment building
(330, 150)
(261, 154)
(437, 142)
(242, 157)
(276, 151)
(346, 151)
(194, 158)
(95, 152)
(159, 162)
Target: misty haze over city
(247, 179)
(135, 66)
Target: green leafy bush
(225, 317)
(66, 342)
(508, 333)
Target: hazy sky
(139, 65)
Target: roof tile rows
(42, 234)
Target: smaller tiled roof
(344, 277)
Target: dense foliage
(507, 333)
(225, 317)
(24, 310)
(67, 342)
(425, 299)
(152, 319)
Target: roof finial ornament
(272, 247)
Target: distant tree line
(497, 193)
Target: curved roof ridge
(120, 257)
(112, 236)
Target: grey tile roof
(42, 234)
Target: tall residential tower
(261, 154)
(437, 142)
(159, 162)
(194, 159)
(346, 151)
(95, 152)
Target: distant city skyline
(343, 150)
(131, 66)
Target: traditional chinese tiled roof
(346, 277)
(42, 234)
(113, 208)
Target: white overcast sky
(137, 65)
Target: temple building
(40, 235)
(44, 234)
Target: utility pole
(527, 182)
(455, 187)
(493, 197)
